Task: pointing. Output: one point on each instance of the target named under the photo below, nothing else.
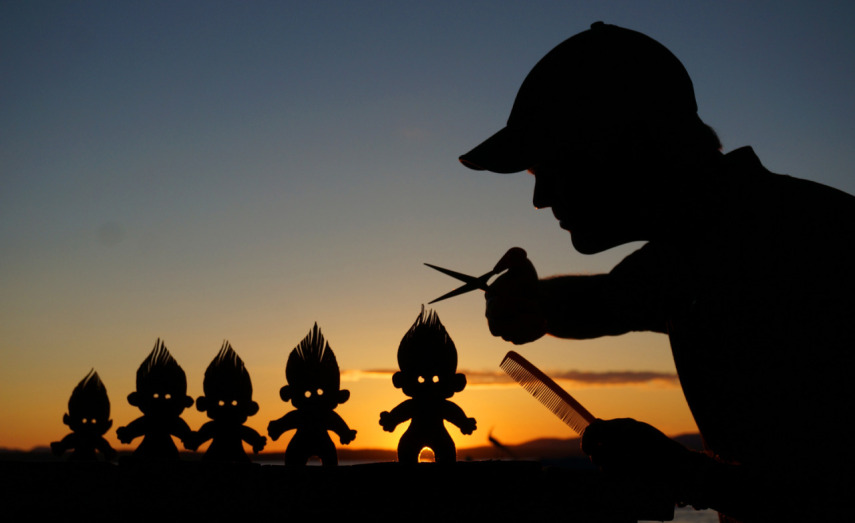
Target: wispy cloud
(570, 378)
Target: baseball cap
(606, 73)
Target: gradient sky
(201, 171)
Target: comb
(546, 391)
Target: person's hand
(629, 448)
(513, 307)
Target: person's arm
(522, 308)
(583, 307)
(637, 452)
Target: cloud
(352, 375)
(570, 378)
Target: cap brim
(504, 152)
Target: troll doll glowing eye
(435, 379)
(167, 396)
(221, 403)
(320, 392)
(234, 403)
(421, 379)
(308, 394)
(155, 395)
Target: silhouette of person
(313, 388)
(88, 417)
(161, 395)
(749, 273)
(228, 402)
(427, 358)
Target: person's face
(599, 199)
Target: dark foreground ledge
(197, 491)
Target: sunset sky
(202, 171)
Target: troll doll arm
(289, 421)
(454, 414)
(106, 450)
(398, 415)
(338, 425)
(58, 447)
(195, 439)
(132, 430)
(182, 431)
(253, 438)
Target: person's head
(607, 122)
(89, 407)
(312, 373)
(161, 385)
(228, 389)
(427, 358)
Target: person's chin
(590, 244)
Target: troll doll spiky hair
(312, 359)
(161, 368)
(227, 374)
(427, 339)
(90, 395)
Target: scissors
(470, 282)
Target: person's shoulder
(744, 164)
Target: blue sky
(198, 171)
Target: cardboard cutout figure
(228, 403)
(313, 388)
(88, 417)
(428, 361)
(161, 395)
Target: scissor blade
(463, 289)
(454, 274)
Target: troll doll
(427, 358)
(313, 389)
(88, 417)
(161, 395)
(228, 403)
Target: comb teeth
(547, 392)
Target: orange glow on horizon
(507, 410)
